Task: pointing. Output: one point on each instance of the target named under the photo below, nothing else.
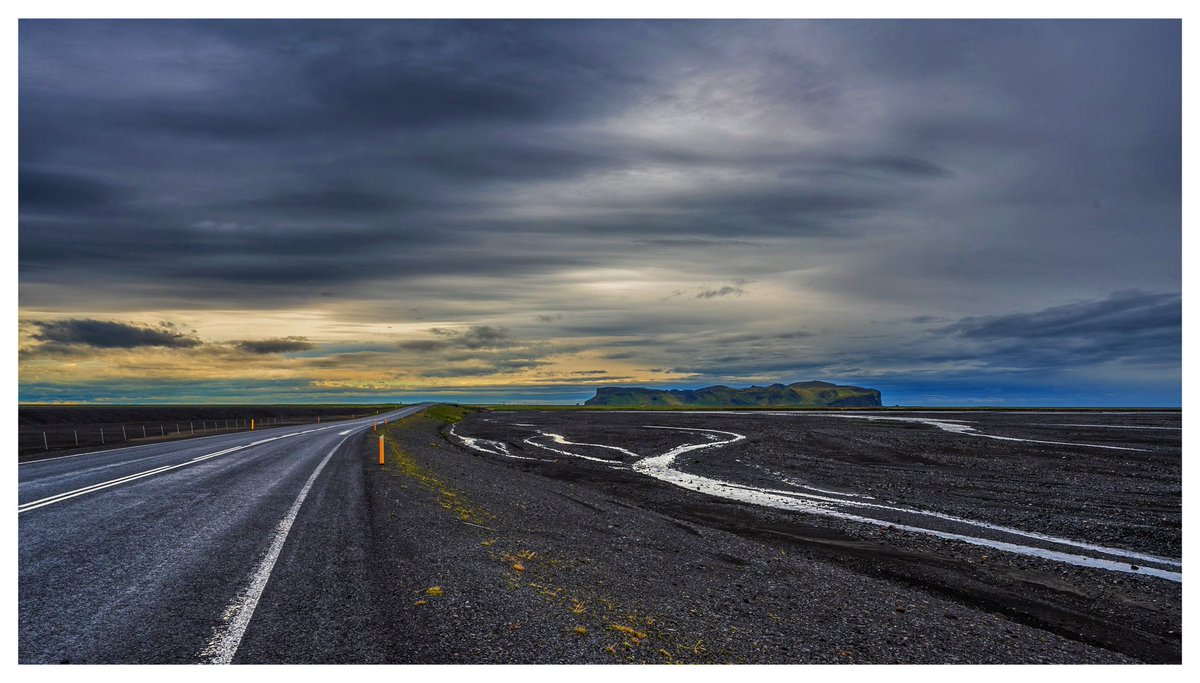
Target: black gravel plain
(480, 558)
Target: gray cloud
(66, 192)
(1130, 326)
(487, 172)
(275, 345)
(908, 166)
(110, 334)
(473, 338)
(483, 367)
(721, 292)
(327, 202)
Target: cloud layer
(456, 204)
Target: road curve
(197, 550)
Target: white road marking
(67, 495)
(125, 448)
(345, 432)
(226, 638)
(59, 497)
(147, 445)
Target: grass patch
(446, 413)
(401, 463)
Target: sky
(955, 213)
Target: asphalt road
(194, 551)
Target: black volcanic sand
(566, 560)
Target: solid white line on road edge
(59, 497)
(226, 638)
(160, 443)
(130, 448)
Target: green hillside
(800, 394)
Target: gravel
(567, 560)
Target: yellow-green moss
(400, 462)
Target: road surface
(193, 551)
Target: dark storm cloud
(387, 95)
(326, 202)
(210, 122)
(874, 170)
(1130, 326)
(110, 334)
(294, 132)
(276, 345)
(65, 192)
(482, 158)
(1122, 313)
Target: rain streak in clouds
(951, 212)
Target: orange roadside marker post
(380, 449)
(375, 426)
(251, 424)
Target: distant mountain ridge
(797, 395)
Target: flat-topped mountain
(800, 394)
